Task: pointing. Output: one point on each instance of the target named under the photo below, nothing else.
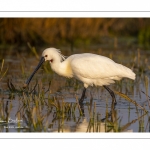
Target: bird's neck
(62, 68)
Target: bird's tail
(126, 72)
(132, 75)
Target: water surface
(127, 115)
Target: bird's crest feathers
(60, 54)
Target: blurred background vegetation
(74, 31)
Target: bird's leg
(81, 101)
(82, 97)
(112, 94)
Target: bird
(91, 69)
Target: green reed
(33, 105)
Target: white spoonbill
(89, 68)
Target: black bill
(36, 69)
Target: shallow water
(127, 115)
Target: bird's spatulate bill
(36, 69)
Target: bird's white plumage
(89, 68)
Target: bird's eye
(45, 55)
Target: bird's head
(52, 54)
(49, 54)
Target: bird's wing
(93, 66)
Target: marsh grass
(112, 122)
(37, 106)
(94, 121)
(2, 72)
(5, 110)
(130, 100)
(43, 110)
